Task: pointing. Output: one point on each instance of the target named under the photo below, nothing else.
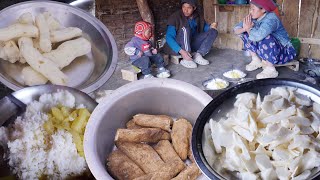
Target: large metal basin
(86, 73)
(151, 96)
(223, 103)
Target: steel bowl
(223, 103)
(151, 96)
(26, 96)
(86, 73)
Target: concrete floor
(221, 60)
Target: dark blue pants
(145, 62)
(270, 49)
(200, 43)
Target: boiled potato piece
(44, 38)
(65, 34)
(18, 30)
(41, 64)
(80, 122)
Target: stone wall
(120, 16)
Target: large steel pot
(151, 96)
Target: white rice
(29, 155)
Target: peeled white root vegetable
(26, 18)
(68, 51)
(18, 30)
(53, 23)
(62, 56)
(274, 138)
(32, 77)
(65, 34)
(10, 52)
(41, 64)
(44, 38)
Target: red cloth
(140, 29)
(268, 5)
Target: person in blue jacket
(265, 37)
(189, 35)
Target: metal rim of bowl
(98, 25)
(90, 132)
(197, 133)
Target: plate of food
(216, 84)
(45, 139)
(50, 42)
(234, 74)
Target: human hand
(185, 55)
(140, 54)
(247, 23)
(214, 25)
(154, 51)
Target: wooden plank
(315, 53)
(290, 18)
(209, 10)
(223, 21)
(310, 41)
(308, 7)
(228, 41)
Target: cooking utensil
(151, 96)
(223, 103)
(86, 73)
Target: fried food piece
(174, 164)
(151, 135)
(122, 167)
(131, 125)
(156, 121)
(190, 173)
(180, 136)
(165, 150)
(190, 154)
(170, 170)
(143, 155)
(155, 176)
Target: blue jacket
(269, 24)
(172, 33)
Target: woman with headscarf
(265, 37)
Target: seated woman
(265, 37)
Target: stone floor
(221, 60)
